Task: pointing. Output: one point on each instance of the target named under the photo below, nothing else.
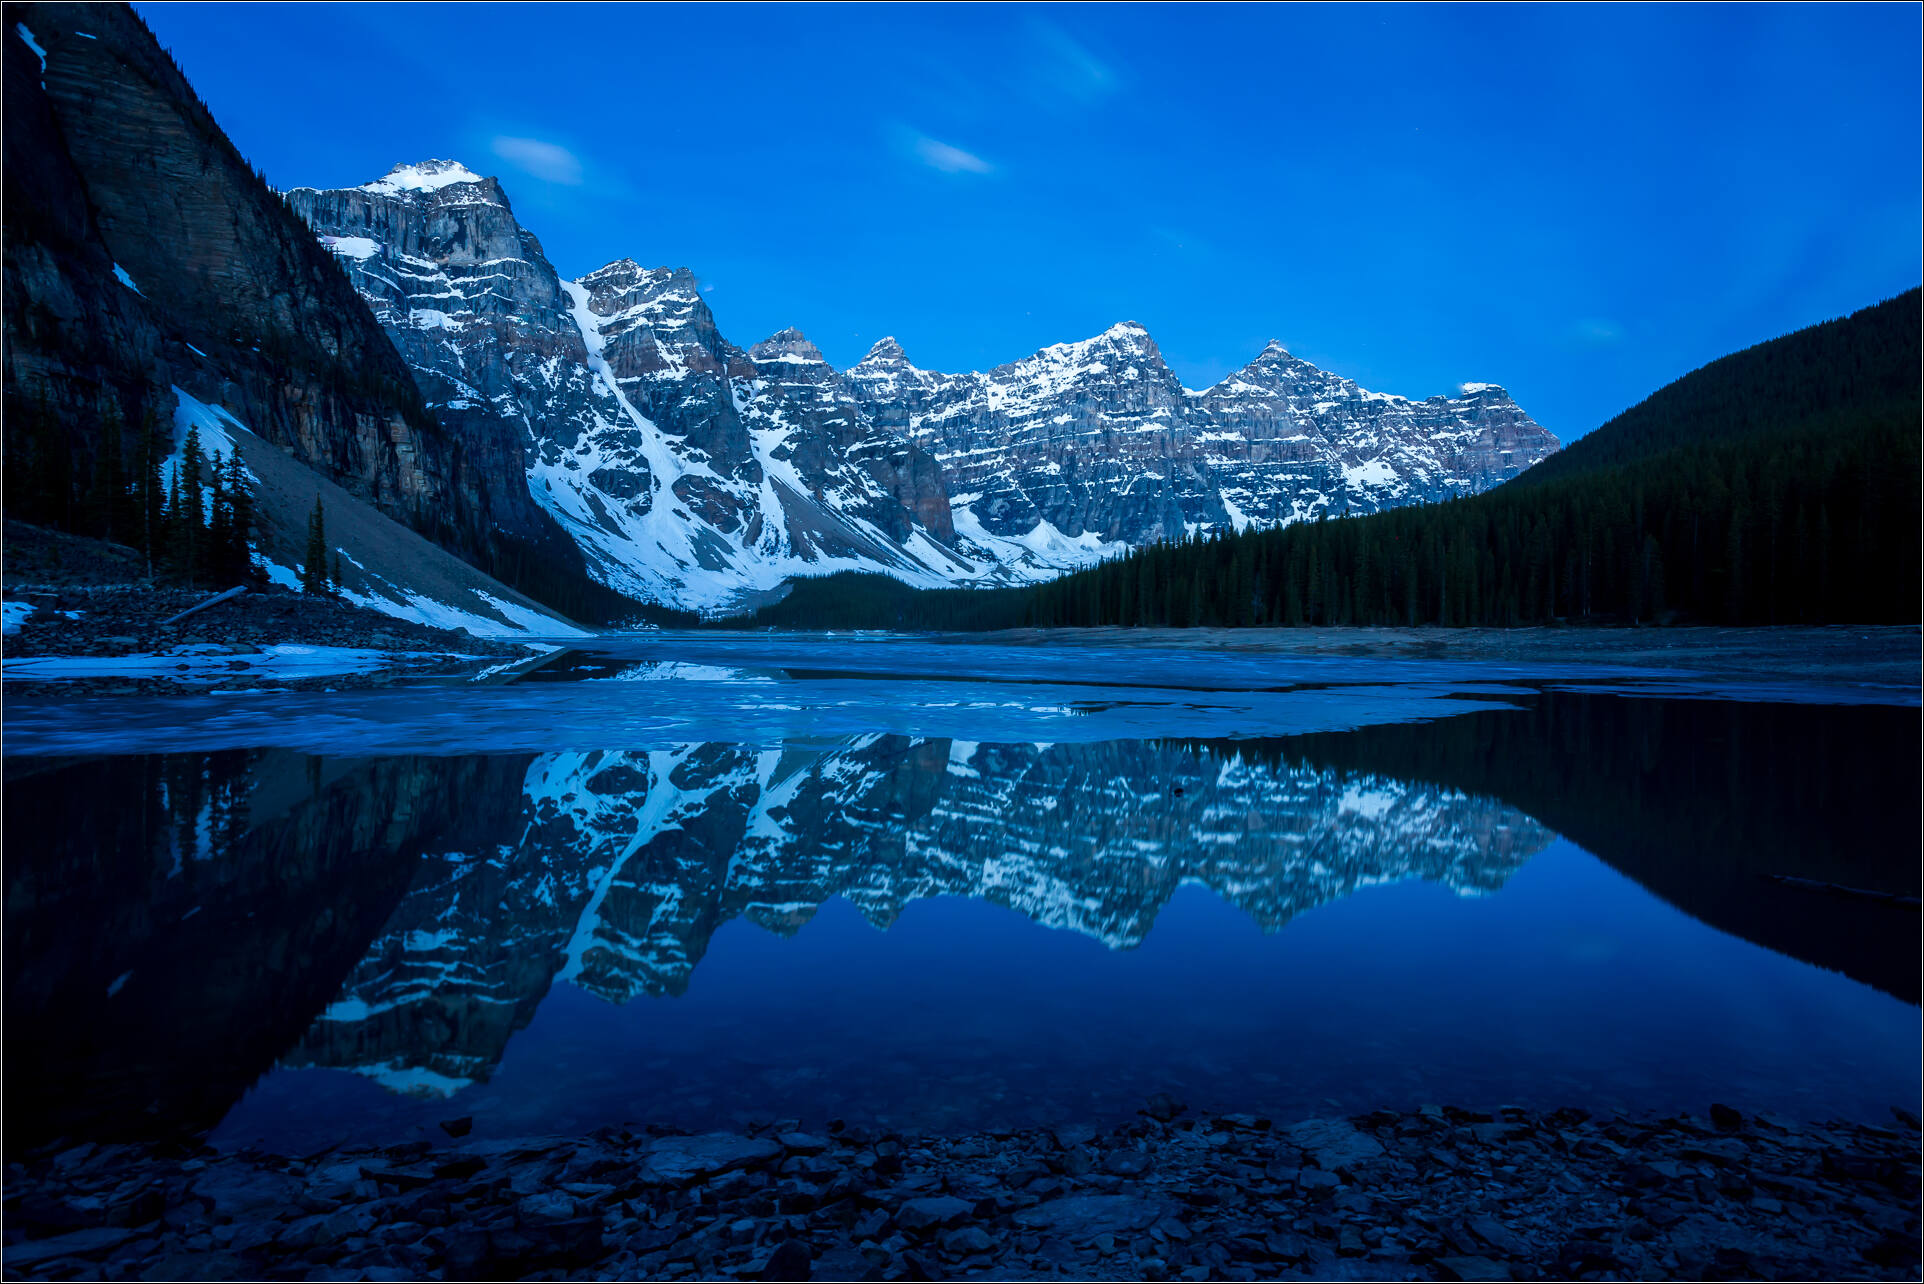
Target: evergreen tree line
(1819, 525)
(193, 525)
(1807, 527)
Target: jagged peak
(787, 345)
(619, 265)
(1482, 389)
(423, 176)
(1129, 336)
(887, 353)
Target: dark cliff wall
(111, 159)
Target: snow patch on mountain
(427, 176)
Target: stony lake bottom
(926, 888)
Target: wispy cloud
(1597, 332)
(1068, 67)
(547, 161)
(950, 160)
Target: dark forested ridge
(1778, 485)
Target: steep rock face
(688, 471)
(817, 426)
(619, 867)
(1054, 460)
(471, 304)
(235, 304)
(1287, 441)
(1087, 447)
(80, 347)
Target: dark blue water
(1570, 985)
(1469, 890)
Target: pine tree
(314, 568)
(152, 493)
(220, 523)
(241, 506)
(192, 513)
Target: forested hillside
(1778, 485)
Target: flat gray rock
(1335, 1143)
(233, 1190)
(81, 1243)
(1086, 1216)
(681, 1161)
(937, 1210)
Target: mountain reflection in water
(178, 925)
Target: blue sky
(1578, 203)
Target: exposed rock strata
(115, 169)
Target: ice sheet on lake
(851, 686)
(207, 663)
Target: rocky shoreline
(127, 620)
(1439, 1193)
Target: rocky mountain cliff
(696, 473)
(143, 253)
(1099, 441)
(688, 471)
(618, 868)
(151, 274)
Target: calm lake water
(707, 881)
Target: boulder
(1083, 1217)
(682, 1161)
(922, 1215)
(1335, 1143)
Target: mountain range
(405, 351)
(693, 472)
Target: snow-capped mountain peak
(423, 176)
(887, 354)
(693, 473)
(789, 345)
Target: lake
(706, 881)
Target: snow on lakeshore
(211, 662)
(402, 603)
(15, 614)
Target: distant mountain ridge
(692, 472)
(1778, 485)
